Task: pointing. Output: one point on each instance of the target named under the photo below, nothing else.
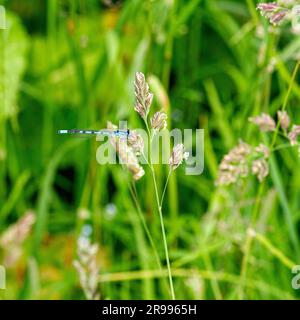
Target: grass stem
(159, 206)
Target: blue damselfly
(104, 132)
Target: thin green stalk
(275, 251)
(165, 188)
(133, 192)
(144, 255)
(248, 243)
(214, 282)
(253, 12)
(164, 236)
(161, 219)
(283, 146)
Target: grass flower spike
(127, 153)
(234, 164)
(19, 231)
(263, 150)
(242, 160)
(136, 142)
(294, 134)
(284, 119)
(12, 239)
(273, 12)
(87, 267)
(159, 121)
(177, 156)
(260, 168)
(143, 96)
(264, 122)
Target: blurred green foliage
(67, 64)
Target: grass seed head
(264, 122)
(159, 121)
(178, 156)
(240, 160)
(234, 164)
(127, 154)
(260, 169)
(273, 12)
(294, 134)
(284, 119)
(263, 150)
(87, 267)
(142, 94)
(13, 238)
(136, 142)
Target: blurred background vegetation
(71, 64)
